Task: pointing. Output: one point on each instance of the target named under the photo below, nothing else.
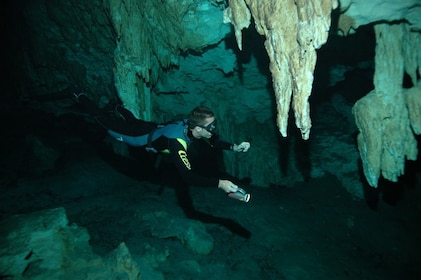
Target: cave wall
(62, 43)
(150, 36)
(162, 60)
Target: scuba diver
(172, 138)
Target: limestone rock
(386, 140)
(413, 103)
(41, 245)
(191, 233)
(150, 36)
(293, 31)
(361, 12)
(239, 15)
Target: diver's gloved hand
(243, 147)
(227, 186)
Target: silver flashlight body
(241, 195)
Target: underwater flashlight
(241, 195)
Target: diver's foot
(76, 96)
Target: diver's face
(204, 131)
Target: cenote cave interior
(76, 203)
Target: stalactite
(293, 31)
(386, 140)
(146, 43)
(239, 15)
(413, 103)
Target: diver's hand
(243, 147)
(227, 186)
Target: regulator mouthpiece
(241, 195)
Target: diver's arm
(223, 145)
(217, 143)
(182, 163)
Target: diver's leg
(126, 114)
(119, 125)
(88, 106)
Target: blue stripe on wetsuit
(174, 130)
(130, 140)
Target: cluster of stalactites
(293, 31)
(389, 116)
(146, 42)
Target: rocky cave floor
(313, 230)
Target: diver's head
(202, 122)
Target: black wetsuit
(172, 138)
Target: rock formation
(41, 245)
(149, 38)
(389, 115)
(293, 31)
(355, 13)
